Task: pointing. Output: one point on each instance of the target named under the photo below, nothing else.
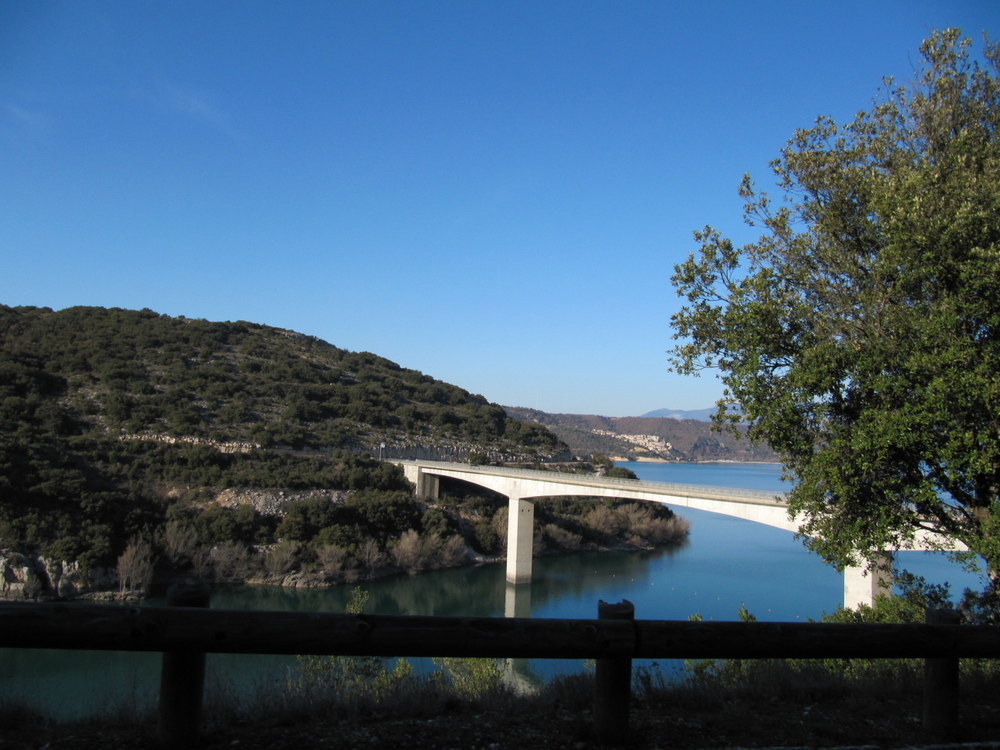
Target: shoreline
(308, 581)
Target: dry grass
(740, 704)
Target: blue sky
(494, 193)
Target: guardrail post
(613, 683)
(941, 681)
(182, 679)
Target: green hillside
(235, 451)
(115, 371)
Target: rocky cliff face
(274, 501)
(23, 577)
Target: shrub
(331, 559)
(485, 538)
(282, 557)
(409, 552)
(386, 514)
(370, 555)
(358, 680)
(414, 553)
(562, 538)
(135, 567)
(232, 562)
(473, 678)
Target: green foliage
(915, 598)
(436, 521)
(575, 522)
(148, 373)
(910, 606)
(366, 679)
(358, 601)
(473, 678)
(486, 539)
(358, 679)
(859, 335)
(385, 515)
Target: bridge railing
(683, 490)
(185, 633)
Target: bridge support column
(862, 585)
(425, 485)
(520, 539)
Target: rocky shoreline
(37, 577)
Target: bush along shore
(368, 526)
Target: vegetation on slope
(233, 451)
(97, 370)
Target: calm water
(726, 563)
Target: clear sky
(494, 193)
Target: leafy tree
(859, 335)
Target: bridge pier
(862, 585)
(425, 484)
(520, 539)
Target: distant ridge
(702, 415)
(646, 437)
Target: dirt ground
(754, 722)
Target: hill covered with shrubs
(136, 446)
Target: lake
(726, 563)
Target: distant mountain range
(646, 437)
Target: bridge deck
(673, 489)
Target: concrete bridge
(521, 486)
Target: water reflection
(517, 601)
(480, 591)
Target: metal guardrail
(760, 497)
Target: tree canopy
(859, 334)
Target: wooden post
(941, 681)
(182, 679)
(613, 683)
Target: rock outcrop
(272, 502)
(24, 577)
